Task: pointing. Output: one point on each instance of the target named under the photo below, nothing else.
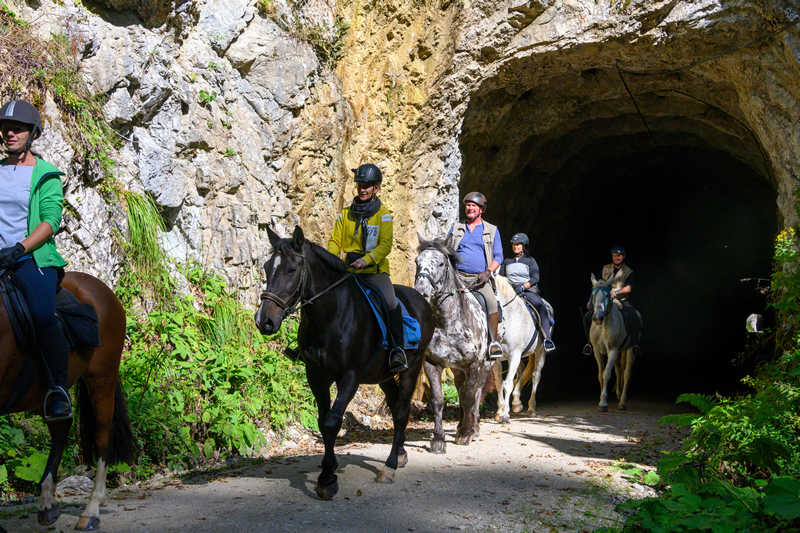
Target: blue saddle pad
(411, 330)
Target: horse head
(600, 298)
(286, 278)
(435, 268)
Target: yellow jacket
(380, 231)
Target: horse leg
(327, 484)
(49, 508)
(472, 386)
(522, 376)
(613, 355)
(629, 357)
(508, 384)
(399, 399)
(434, 375)
(537, 359)
(497, 371)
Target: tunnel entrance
(692, 203)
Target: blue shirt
(471, 252)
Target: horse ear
(298, 239)
(274, 239)
(594, 280)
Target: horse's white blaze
(275, 265)
(98, 495)
(48, 496)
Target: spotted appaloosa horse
(340, 341)
(460, 340)
(105, 430)
(610, 340)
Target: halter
(290, 309)
(441, 293)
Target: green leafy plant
(229, 152)
(207, 97)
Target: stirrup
(549, 346)
(397, 360)
(587, 350)
(54, 418)
(495, 344)
(637, 351)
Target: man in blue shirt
(481, 251)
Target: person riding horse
(478, 245)
(31, 205)
(364, 231)
(522, 272)
(621, 289)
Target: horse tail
(121, 444)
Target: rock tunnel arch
(582, 157)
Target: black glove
(519, 289)
(9, 256)
(484, 276)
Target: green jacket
(45, 205)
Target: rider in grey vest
(620, 290)
(478, 246)
(522, 272)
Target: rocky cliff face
(233, 119)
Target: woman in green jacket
(364, 232)
(31, 203)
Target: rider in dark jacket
(522, 272)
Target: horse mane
(504, 287)
(441, 245)
(328, 259)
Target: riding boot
(547, 323)
(495, 350)
(397, 357)
(55, 351)
(587, 325)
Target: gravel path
(558, 471)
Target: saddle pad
(412, 332)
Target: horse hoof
(622, 407)
(88, 523)
(463, 440)
(402, 460)
(328, 492)
(531, 412)
(48, 517)
(603, 408)
(504, 419)
(438, 446)
(385, 476)
(516, 408)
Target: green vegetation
(740, 466)
(202, 384)
(207, 97)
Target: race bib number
(372, 238)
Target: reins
(290, 309)
(441, 295)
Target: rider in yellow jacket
(364, 232)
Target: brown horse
(105, 430)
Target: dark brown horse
(106, 435)
(339, 339)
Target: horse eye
(291, 270)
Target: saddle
(482, 301)
(412, 332)
(536, 319)
(78, 321)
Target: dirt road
(558, 471)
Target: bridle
(441, 295)
(604, 289)
(291, 308)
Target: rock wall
(233, 121)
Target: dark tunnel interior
(696, 222)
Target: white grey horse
(520, 339)
(460, 340)
(610, 339)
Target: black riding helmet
(22, 111)
(368, 173)
(520, 238)
(618, 250)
